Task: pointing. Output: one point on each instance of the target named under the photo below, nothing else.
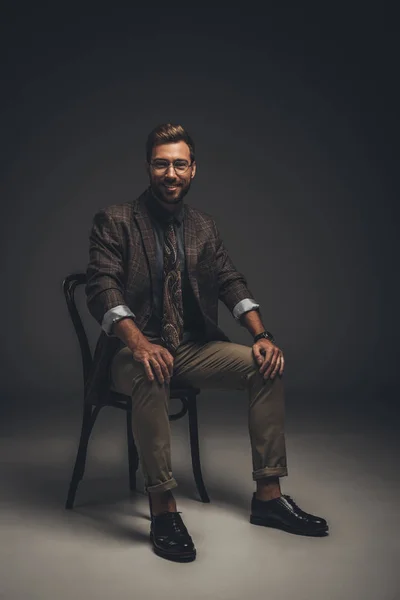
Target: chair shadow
(107, 524)
(101, 502)
(43, 489)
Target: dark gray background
(295, 122)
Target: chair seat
(177, 388)
(175, 391)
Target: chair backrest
(70, 283)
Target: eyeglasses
(161, 166)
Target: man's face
(170, 185)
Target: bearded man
(157, 269)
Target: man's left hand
(269, 358)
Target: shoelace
(294, 504)
(176, 523)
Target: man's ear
(194, 167)
(147, 167)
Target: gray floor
(342, 465)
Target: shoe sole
(268, 522)
(184, 557)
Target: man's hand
(158, 358)
(269, 358)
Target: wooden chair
(187, 396)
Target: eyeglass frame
(173, 166)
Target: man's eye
(161, 164)
(180, 164)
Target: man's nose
(170, 171)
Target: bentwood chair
(187, 396)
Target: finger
(265, 360)
(170, 369)
(276, 369)
(164, 368)
(272, 366)
(148, 370)
(282, 365)
(260, 361)
(269, 361)
(157, 369)
(169, 360)
(257, 355)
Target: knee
(149, 393)
(255, 375)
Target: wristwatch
(265, 334)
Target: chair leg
(133, 458)
(89, 418)
(194, 447)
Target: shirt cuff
(113, 316)
(244, 306)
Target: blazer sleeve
(232, 284)
(105, 283)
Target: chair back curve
(69, 285)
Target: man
(157, 269)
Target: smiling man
(157, 269)
(171, 168)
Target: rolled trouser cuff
(162, 487)
(270, 472)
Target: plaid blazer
(121, 270)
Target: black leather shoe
(283, 513)
(170, 538)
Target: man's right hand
(154, 358)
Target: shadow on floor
(102, 504)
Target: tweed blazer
(122, 270)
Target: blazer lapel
(191, 248)
(148, 236)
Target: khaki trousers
(217, 365)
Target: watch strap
(264, 334)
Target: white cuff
(113, 315)
(244, 306)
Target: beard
(158, 193)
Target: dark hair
(166, 134)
